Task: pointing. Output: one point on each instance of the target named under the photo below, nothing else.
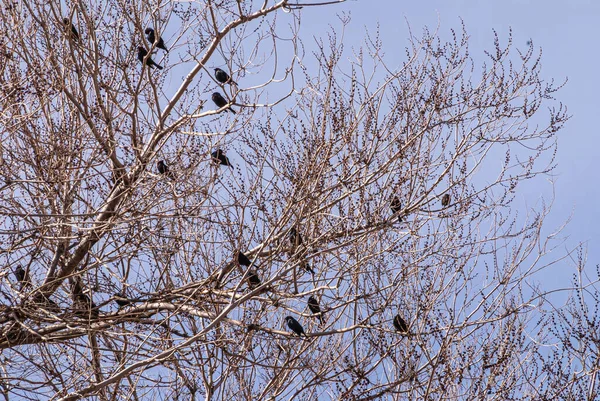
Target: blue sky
(567, 32)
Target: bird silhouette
(296, 241)
(73, 34)
(446, 200)
(253, 280)
(20, 274)
(152, 39)
(142, 53)
(396, 207)
(400, 325)
(219, 157)
(163, 169)
(313, 305)
(121, 299)
(223, 77)
(295, 237)
(220, 101)
(243, 259)
(83, 305)
(295, 326)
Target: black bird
(446, 200)
(253, 280)
(142, 53)
(219, 157)
(295, 326)
(396, 207)
(313, 305)
(20, 274)
(296, 240)
(68, 25)
(152, 39)
(163, 169)
(243, 259)
(121, 300)
(83, 305)
(400, 324)
(295, 237)
(220, 101)
(223, 77)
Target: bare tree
(153, 269)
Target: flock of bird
(82, 304)
(142, 54)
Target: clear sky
(567, 32)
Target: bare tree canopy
(194, 206)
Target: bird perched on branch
(142, 53)
(22, 277)
(313, 305)
(243, 259)
(253, 280)
(220, 101)
(296, 241)
(219, 157)
(70, 29)
(122, 300)
(295, 326)
(400, 325)
(223, 77)
(160, 43)
(20, 274)
(396, 207)
(163, 169)
(446, 200)
(295, 238)
(83, 306)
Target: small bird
(142, 53)
(223, 77)
(446, 200)
(220, 101)
(396, 207)
(296, 240)
(219, 157)
(243, 259)
(295, 237)
(152, 39)
(295, 326)
(83, 305)
(313, 305)
(163, 169)
(68, 25)
(400, 324)
(253, 280)
(20, 274)
(121, 300)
